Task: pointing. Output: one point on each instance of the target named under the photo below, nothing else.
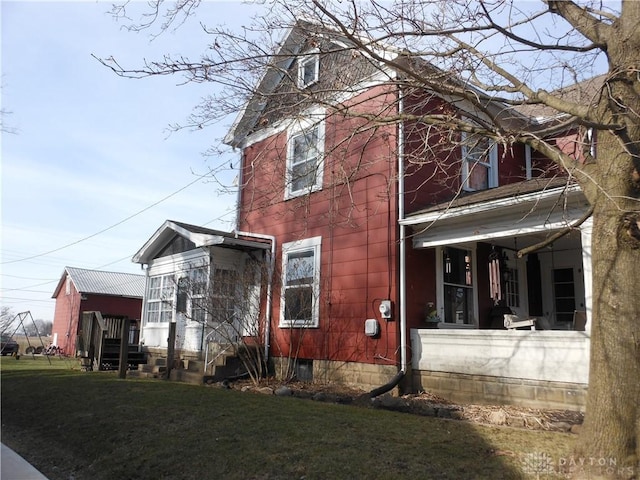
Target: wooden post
(124, 349)
(171, 348)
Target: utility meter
(385, 308)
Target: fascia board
(63, 277)
(141, 256)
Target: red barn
(81, 290)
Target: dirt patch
(425, 404)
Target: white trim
(527, 160)
(315, 244)
(533, 197)
(586, 230)
(380, 77)
(499, 233)
(311, 56)
(491, 164)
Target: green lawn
(96, 426)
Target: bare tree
(536, 60)
(6, 320)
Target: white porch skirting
(527, 367)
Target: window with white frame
(300, 283)
(308, 69)
(479, 163)
(305, 151)
(159, 303)
(458, 286)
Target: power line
(108, 228)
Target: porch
(471, 277)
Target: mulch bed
(426, 404)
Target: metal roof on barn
(100, 282)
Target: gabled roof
(103, 283)
(291, 46)
(199, 236)
(270, 102)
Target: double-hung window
(160, 299)
(305, 152)
(479, 163)
(300, 283)
(308, 69)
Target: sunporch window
(198, 287)
(160, 299)
(223, 295)
(458, 286)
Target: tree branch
(582, 20)
(559, 234)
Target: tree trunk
(609, 444)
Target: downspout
(402, 254)
(267, 328)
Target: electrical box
(371, 327)
(385, 309)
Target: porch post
(124, 348)
(585, 236)
(171, 348)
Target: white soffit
(512, 218)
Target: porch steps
(155, 370)
(111, 355)
(192, 371)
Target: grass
(93, 425)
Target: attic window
(308, 68)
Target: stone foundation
(360, 375)
(484, 389)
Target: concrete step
(186, 376)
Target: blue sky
(91, 149)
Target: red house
(392, 242)
(394, 238)
(81, 290)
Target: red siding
(355, 215)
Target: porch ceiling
(530, 214)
